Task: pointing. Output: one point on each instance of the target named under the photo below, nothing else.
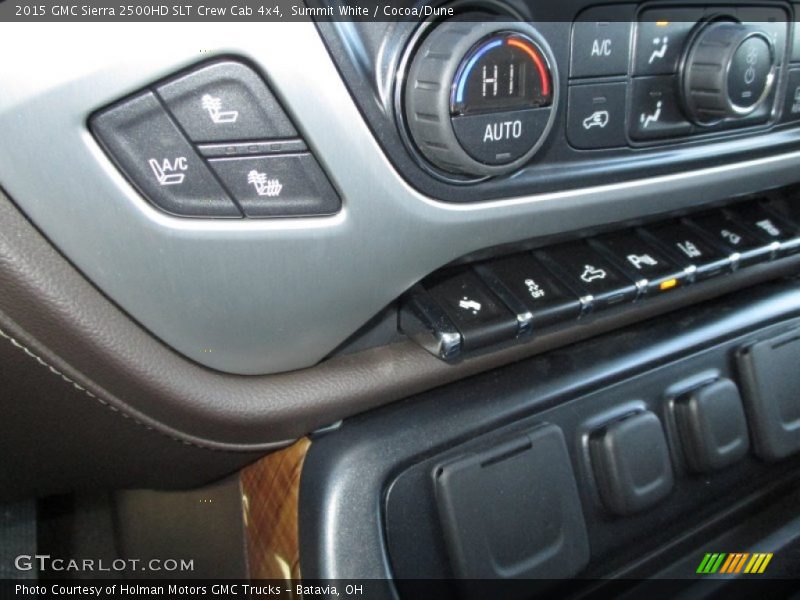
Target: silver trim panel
(263, 296)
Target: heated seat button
(225, 101)
(770, 227)
(691, 251)
(655, 110)
(148, 146)
(477, 313)
(278, 185)
(530, 290)
(598, 281)
(601, 42)
(743, 247)
(660, 38)
(649, 267)
(596, 115)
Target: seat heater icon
(264, 186)
(213, 106)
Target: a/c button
(500, 138)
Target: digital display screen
(501, 73)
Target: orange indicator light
(668, 284)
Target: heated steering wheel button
(225, 101)
(278, 186)
(500, 138)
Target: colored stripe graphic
(734, 562)
(711, 563)
(758, 563)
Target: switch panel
(557, 285)
(215, 142)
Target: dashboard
(416, 265)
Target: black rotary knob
(478, 96)
(728, 72)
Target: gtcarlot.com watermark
(44, 563)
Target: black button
(596, 115)
(631, 463)
(225, 101)
(712, 427)
(655, 110)
(791, 104)
(770, 227)
(772, 21)
(151, 150)
(600, 283)
(474, 309)
(532, 288)
(770, 380)
(691, 251)
(281, 185)
(512, 511)
(648, 266)
(500, 138)
(601, 42)
(749, 72)
(660, 38)
(743, 247)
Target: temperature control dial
(478, 98)
(729, 72)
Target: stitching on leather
(105, 403)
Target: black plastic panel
(367, 502)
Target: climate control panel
(484, 96)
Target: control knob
(478, 96)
